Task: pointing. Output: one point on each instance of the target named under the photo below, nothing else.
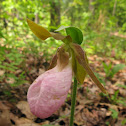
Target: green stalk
(73, 102)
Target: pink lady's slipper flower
(49, 91)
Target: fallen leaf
(25, 122)
(41, 71)
(4, 115)
(2, 72)
(24, 107)
(10, 80)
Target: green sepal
(42, 33)
(38, 30)
(81, 73)
(78, 70)
(81, 57)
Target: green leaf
(100, 78)
(61, 28)
(116, 69)
(107, 123)
(75, 34)
(122, 86)
(114, 113)
(38, 30)
(8, 93)
(114, 97)
(1, 34)
(107, 68)
(124, 122)
(122, 101)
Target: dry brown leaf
(22, 121)
(41, 71)
(108, 113)
(4, 115)
(79, 120)
(64, 111)
(33, 71)
(24, 107)
(10, 80)
(18, 71)
(25, 122)
(28, 124)
(2, 72)
(111, 106)
(93, 89)
(122, 92)
(119, 122)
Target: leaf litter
(92, 107)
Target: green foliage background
(98, 20)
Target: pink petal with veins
(49, 91)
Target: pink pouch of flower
(49, 91)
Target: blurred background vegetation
(23, 56)
(103, 23)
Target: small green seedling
(110, 72)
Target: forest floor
(92, 107)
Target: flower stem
(73, 102)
